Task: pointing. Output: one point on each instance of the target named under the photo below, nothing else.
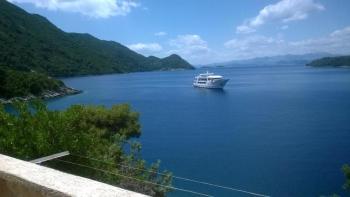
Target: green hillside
(29, 85)
(31, 42)
(331, 61)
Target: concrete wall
(23, 179)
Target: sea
(279, 131)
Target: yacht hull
(215, 84)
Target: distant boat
(209, 80)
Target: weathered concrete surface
(23, 179)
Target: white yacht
(209, 80)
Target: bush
(32, 131)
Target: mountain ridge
(338, 61)
(32, 42)
(288, 59)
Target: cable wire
(148, 182)
(178, 177)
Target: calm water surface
(281, 131)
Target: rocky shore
(45, 95)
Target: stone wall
(24, 179)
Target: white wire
(148, 182)
(181, 178)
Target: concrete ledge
(23, 179)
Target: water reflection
(208, 91)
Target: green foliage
(346, 186)
(19, 83)
(346, 171)
(33, 131)
(331, 61)
(31, 42)
(333, 195)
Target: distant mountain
(331, 62)
(32, 49)
(31, 42)
(168, 63)
(275, 60)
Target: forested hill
(331, 61)
(31, 42)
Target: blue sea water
(276, 130)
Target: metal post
(50, 157)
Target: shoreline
(45, 95)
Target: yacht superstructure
(209, 80)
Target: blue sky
(206, 31)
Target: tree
(33, 131)
(346, 171)
(14, 83)
(346, 186)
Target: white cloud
(188, 40)
(161, 33)
(91, 8)
(244, 29)
(254, 46)
(146, 48)
(341, 32)
(337, 42)
(284, 11)
(190, 46)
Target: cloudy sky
(207, 31)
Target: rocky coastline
(45, 95)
